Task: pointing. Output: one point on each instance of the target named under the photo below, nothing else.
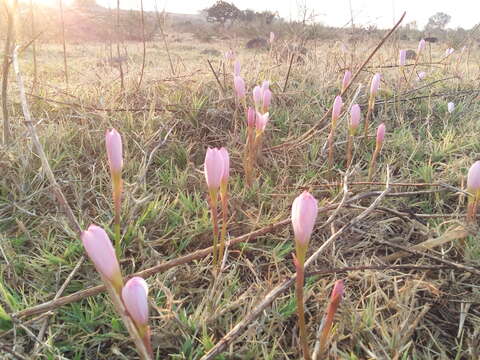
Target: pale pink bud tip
(265, 85)
(100, 250)
(304, 214)
(381, 133)
(113, 142)
(236, 68)
(230, 55)
(272, 37)
(213, 168)
(257, 95)
(450, 107)
(135, 299)
(421, 45)
(337, 107)
(251, 117)
(403, 57)
(338, 289)
(346, 79)
(473, 179)
(239, 86)
(226, 164)
(375, 84)
(267, 98)
(421, 75)
(355, 114)
(261, 121)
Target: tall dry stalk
(34, 45)
(9, 42)
(144, 52)
(120, 68)
(172, 69)
(62, 20)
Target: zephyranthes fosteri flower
(347, 77)
(100, 250)
(473, 188)
(239, 84)
(113, 143)
(378, 148)
(450, 107)
(402, 57)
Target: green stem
(372, 163)
(224, 196)
(349, 150)
(301, 311)
(371, 104)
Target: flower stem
(224, 198)
(371, 168)
(349, 150)
(117, 203)
(371, 105)
(300, 310)
(330, 148)
(213, 209)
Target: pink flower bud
(375, 84)
(403, 57)
(421, 75)
(100, 250)
(380, 133)
(251, 117)
(213, 168)
(113, 142)
(226, 164)
(257, 96)
(135, 299)
(450, 107)
(346, 79)
(239, 87)
(272, 37)
(338, 290)
(421, 45)
(236, 68)
(337, 107)
(355, 114)
(261, 121)
(265, 85)
(473, 178)
(449, 52)
(267, 97)
(304, 214)
(230, 55)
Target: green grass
(165, 213)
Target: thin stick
(9, 40)
(34, 46)
(120, 68)
(164, 38)
(216, 77)
(65, 67)
(240, 327)
(285, 84)
(144, 47)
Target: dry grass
(388, 314)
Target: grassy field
(428, 309)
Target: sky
(464, 13)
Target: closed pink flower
(403, 57)
(355, 114)
(375, 84)
(100, 250)
(421, 45)
(135, 299)
(226, 164)
(338, 290)
(346, 79)
(257, 96)
(421, 75)
(272, 37)
(261, 121)
(239, 86)
(113, 142)
(304, 214)
(450, 107)
(230, 55)
(380, 133)
(265, 85)
(337, 107)
(267, 98)
(213, 168)
(236, 68)
(473, 179)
